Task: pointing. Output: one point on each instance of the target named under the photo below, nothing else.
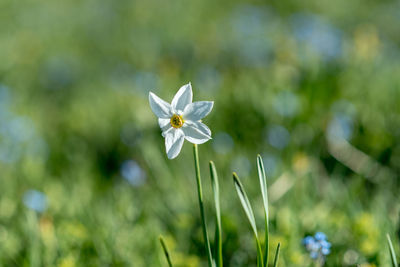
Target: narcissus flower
(181, 119)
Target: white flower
(180, 120)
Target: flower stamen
(176, 121)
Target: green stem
(319, 262)
(200, 196)
(391, 250)
(218, 227)
(166, 252)
(266, 245)
(35, 258)
(260, 262)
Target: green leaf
(218, 228)
(391, 250)
(264, 192)
(245, 203)
(165, 249)
(250, 215)
(277, 255)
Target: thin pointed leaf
(250, 215)
(218, 228)
(264, 192)
(276, 259)
(245, 203)
(165, 249)
(391, 250)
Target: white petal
(165, 124)
(200, 126)
(197, 110)
(182, 98)
(196, 132)
(173, 142)
(164, 133)
(161, 108)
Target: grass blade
(276, 259)
(165, 249)
(264, 192)
(250, 215)
(391, 250)
(201, 205)
(245, 203)
(218, 228)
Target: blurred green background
(313, 86)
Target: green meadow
(311, 86)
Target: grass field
(311, 86)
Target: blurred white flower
(181, 119)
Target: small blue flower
(325, 244)
(319, 236)
(325, 251)
(317, 245)
(308, 240)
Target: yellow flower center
(177, 121)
